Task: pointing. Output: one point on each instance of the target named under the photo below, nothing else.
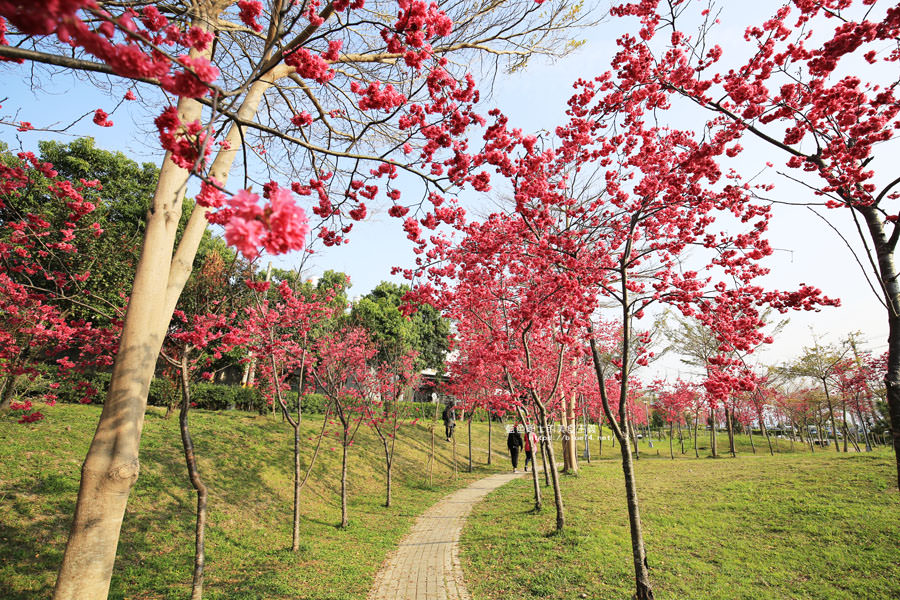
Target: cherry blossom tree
(604, 220)
(54, 325)
(280, 331)
(344, 93)
(816, 83)
(341, 370)
(383, 410)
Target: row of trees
(333, 99)
(622, 209)
(63, 298)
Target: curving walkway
(425, 566)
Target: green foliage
(164, 391)
(213, 396)
(425, 331)
(314, 404)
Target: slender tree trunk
(390, 467)
(696, 427)
(820, 429)
(570, 441)
(389, 453)
(681, 435)
(469, 432)
(194, 474)
(455, 466)
(345, 521)
(587, 446)
(865, 429)
(295, 530)
(752, 445)
(671, 439)
(629, 425)
(730, 422)
(490, 437)
(431, 458)
(844, 421)
(600, 437)
(544, 459)
(644, 590)
(837, 447)
(712, 434)
(554, 476)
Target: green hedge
(163, 391)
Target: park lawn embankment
(247, 463)
(798, 526)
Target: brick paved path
(426, 564)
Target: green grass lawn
(247, 463)
(794, 525)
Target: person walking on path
(449, 417)
(531, 442)
(514, 443)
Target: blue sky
(807, 249)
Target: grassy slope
(246, 461)
(790, 526)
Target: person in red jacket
(531, 444)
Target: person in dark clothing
(449, 417)
(514, 443)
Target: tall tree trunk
(643, 588)
(194, 474)
(111, 466)
(345, 521)
(696, 427)
(865, 428)
(712, 434)
(431, 458)
(455, 466)
(569, 439)
(387, 500)
(469, 432)
(587, 446)
(554, 475)
(671, 439)
(844, 420)
(544, 460)
(837, 447)
(730, 423)
(566, 435)
(629, 425)
(600, 437)
(490, 436)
